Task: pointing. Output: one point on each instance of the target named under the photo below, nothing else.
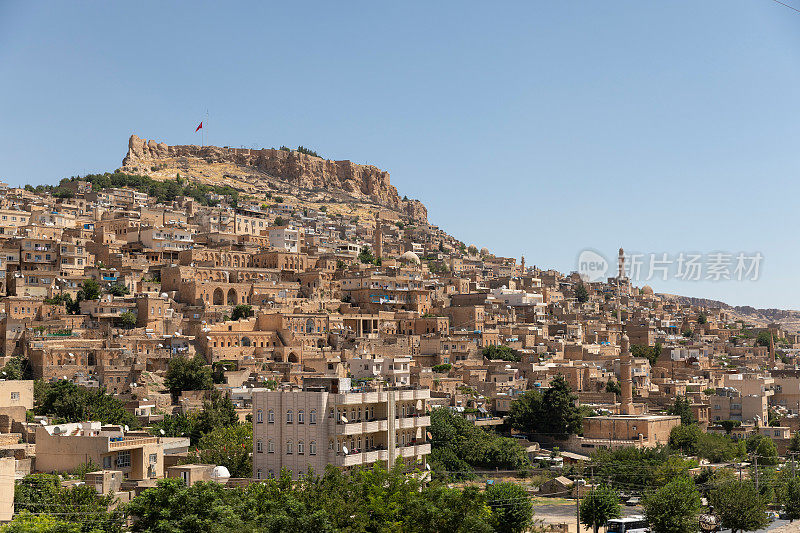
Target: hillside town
(169, 328)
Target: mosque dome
(647, 289)
(409, 257)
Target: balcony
(132, 442)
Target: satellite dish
(162, 431)
(344, 419)
(43, 422)
(344, 449)
(427, 466)
(126, 427)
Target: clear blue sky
(532, 128)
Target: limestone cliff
(363, 182)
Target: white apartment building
(284, 238)
(396, 371)
(328, 423)
(164, 239)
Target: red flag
(199, 127)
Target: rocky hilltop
(296, 169)
(789, 319)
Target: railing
(133, 441)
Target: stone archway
(219, 297)
(232, 297)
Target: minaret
(378, 236)
(626, 376)
(522, 266)
(621, 264)
(772, 348)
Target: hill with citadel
(271, 170)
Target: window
(107, 462)
(301, 448)
(289, 416)
(14, 396)
(258, 474)
(259, 416)
(312, 448)
(301, 417)
(312, 417)
(288, 447)
(259, 446)
(271, 416)
(270, 446)
(124, 459)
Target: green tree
(458, 446)
(685, 438)
(794, 444)
(229, 446)
(764, 447)
(188, 374)
(511, 507)
(614, 386)
(790, 497)
(501, 352)
(702, 318)
(117, 289)
(599, 506)
(739, 506)
(673, 508)
(581, 294)
(26, 522)
(179, 425)
(552, 413)
(728, 425)
(42, 493)
(174, 507)
(443, 368)
(242, 311)
(74, 403)
(763, 338)
(365, 256)
(683, 407)
(218, 411)
(126, 320)
(17, 368)
(90, 290)
(279, 221)
(719, 448)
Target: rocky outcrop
(302, 170)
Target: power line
(786, 5)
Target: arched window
(301, 417)
(312, 448)
(288, 447)
(301, 448)
(271, 416)
(270, 446)
(289, 416)
(312, 416)
(260, 416)
(259, 446)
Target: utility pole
(578, 484)
(755, 462)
